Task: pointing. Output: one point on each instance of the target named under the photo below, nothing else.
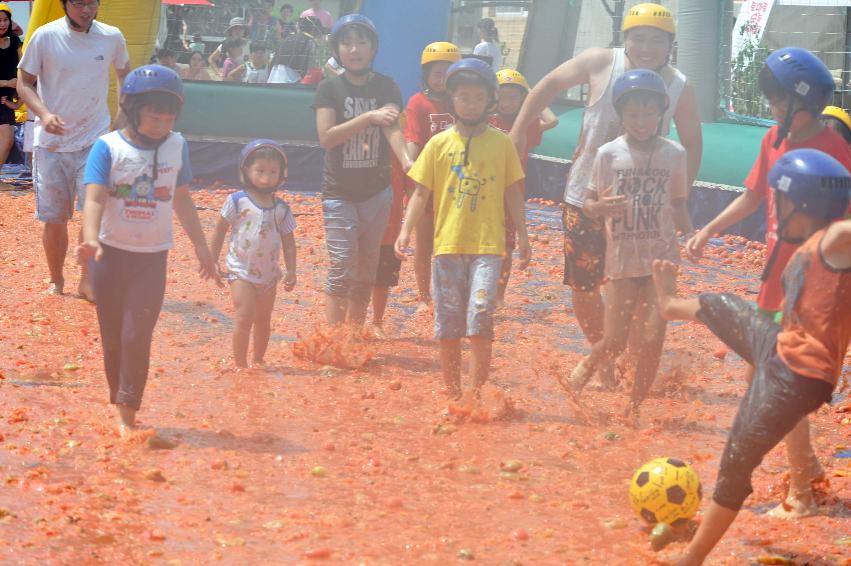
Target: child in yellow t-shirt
(473, 172)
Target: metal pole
(698, 30)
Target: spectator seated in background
(255, 70)
(168, 58)
(287, 28)
(197, 45)
(197, 70)
(324, 16)
(296, 54)
(236, 32)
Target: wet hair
(462, 78)
(163, 102)
(642, 97)
(488, 27)
(268, 154)
(257, 46)
(359, 32)
(770, 86)
(838, 126)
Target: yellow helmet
(440, 51)
(839, 114)
(649, 15)
(5, 8)
(511, 77)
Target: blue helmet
(254, 145)
(803, 74)
(475, 66)
(152, 78)
(352, 20)
(639, 79)
(816, 183)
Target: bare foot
(56, 288)
(85, 290)
(126, 420)
(665, 280)
(376, 331)
(816, 469)
(795, 508)
(605, 377)
(578, 377)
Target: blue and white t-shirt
(255, 238)
(137, 216)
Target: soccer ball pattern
(665, 490)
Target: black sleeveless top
(9, 65)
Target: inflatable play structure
(220, 117)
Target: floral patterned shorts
(584, 250)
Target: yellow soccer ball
(665, 490)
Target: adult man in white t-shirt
(648, 43)
(70, 58)
(316, 11)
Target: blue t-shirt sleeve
(98, 165)
(184, 177)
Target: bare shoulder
(595, 59)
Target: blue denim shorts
(465, 289)
(58, 181)
(353, 234)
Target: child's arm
(218, 239)
(682, 220)
(517, 212)
(92, 214)
(288, 244)
(416, 208)
(235, 75)
(214, 57)
(603, 204)
(745, 204)
(332, 134)
(549, 120)
(396, 139)
(184, 208)
(836, 245)
(13, 104)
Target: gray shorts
(465, 288)
(58, 181)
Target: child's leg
(373, 215)
(109, 282)
(799, 502)
(483, 277)
(142, 303)
(450, 365)
(715, 523)
(422, 256)
(670, 306)
(482, 348)
(386, 276)
(650, 325)
(264, 304)
(504, 276)
(245, 302)
(449, 281)
(340, 218)
(621, 295)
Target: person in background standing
(10, 54)
(316, 11)
(489, 45)
(287, 27)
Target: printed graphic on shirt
(646, 197)
(362, 150)
(140, 198)
(440, 122)
(466, 186)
